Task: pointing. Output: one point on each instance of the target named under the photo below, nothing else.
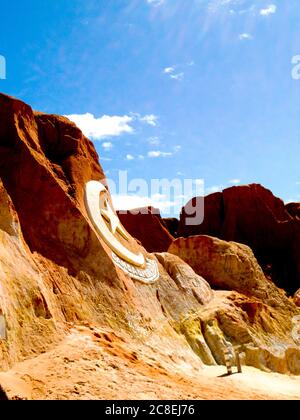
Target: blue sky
(199, 89)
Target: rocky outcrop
(185, 278)
(147, 226)
(247, 325)
(54, 268)
(28, 323)
(245, 320)
(172, 224)
(297, 298)
(56, 272)
(3, 395)
(293, 209)
(251, 215)
(227, 266)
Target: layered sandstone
(246, 320)
(293, 209)
(57, 274)
(252, 215)
(147, 226)
(227, 266)
(297, 298)
(172, 224)
(56, 270)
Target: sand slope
(94, 364)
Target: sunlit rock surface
(252, 215)
(67, 307)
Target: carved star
(112, 218)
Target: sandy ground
(93, 364)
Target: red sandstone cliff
(251, 215)
(60, 288)
(147, 226)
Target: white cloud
(214, 6)
(158, 153)
(169, 70)
(234, 181)
(155, 141)
(178, 76)
(239, 7)
(107, 145)
(109, 126)
(174, 71)
(247, 10)
(103, 127)
(155, 3)
(214, 189)
(271, 9)
(129, 157)
(294, 199)
(245, 37)
(150, 119)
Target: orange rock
(54, 269)
(172, 225)
(297, 298)
(56, 273)
(147, 226)
(185, 277)
(293, 209)
(251, 215)
(227, 266)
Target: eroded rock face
(147, 226)
(44, 164)
(56, 272)
(226, 266)
(236, 322)
(185, 277)
(253, 216)
(23, 299)
(297, 298)
(172, 224)
(54, 268)
(293, 209)
(258, 319)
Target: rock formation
(259, 306)
(253, 216)
(147, 226)
(3, 396)
(172, 225)
(297, 298)
(59, 283)
(185, 277)
(227, 266)
(293, 209)
(55, 270)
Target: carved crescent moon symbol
(93, 190)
